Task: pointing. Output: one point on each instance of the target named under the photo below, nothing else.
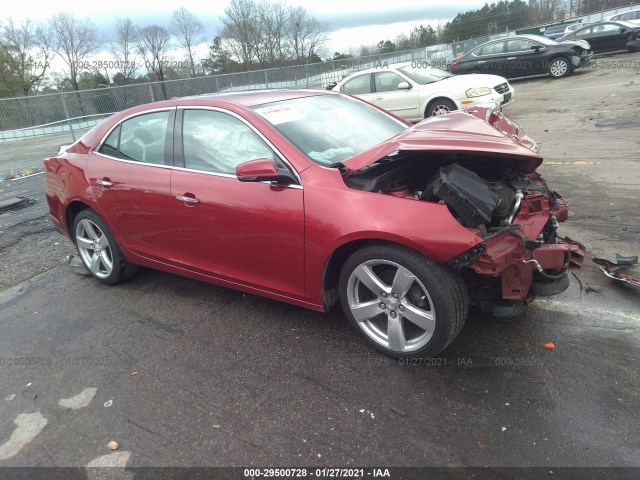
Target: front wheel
(98, 249)
(402, 303)
(559, 67)
(440, 106)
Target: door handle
(512, 58)
(104, 183)
(191, 200)
(481, 61)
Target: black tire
(559, 67)
(439, 105)
(441, 290)
(120, 269)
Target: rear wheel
(440, 106)
(402, 303)
(559, 67)
(98, 249)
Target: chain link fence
(75, 112)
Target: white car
(632, 16)
(415, 91)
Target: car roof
(256, 97)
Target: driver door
(402, 102)
(251, 233)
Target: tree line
(255, 34)
(505, 15)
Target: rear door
(251, 233)
(130, 178)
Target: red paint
(276, 240)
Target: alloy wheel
(391, 306)
(94, 248)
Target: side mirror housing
(404, 86)
(260, 170)
(536, 48)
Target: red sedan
(315, 198)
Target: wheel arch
(335, 261)
(73, 209)
(439, 96)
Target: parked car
(525, 55)
(555, 31)
(632, 16)
(608, 36)
(415, 90)
(313, 198)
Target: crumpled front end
(486, 177)
(524, 254)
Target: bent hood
(482, 130)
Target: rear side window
(358, 85)
(140, 139)
(492, 49)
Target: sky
(354, 22)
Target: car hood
(478, 130)
(468, 81)
(572, 43)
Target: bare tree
(189, 32)
(240, 29)
(271, 46)
(124, 48)
(153, 44)
(307, 35)
(73, 40)
(271, 33)
(30, 56)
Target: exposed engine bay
(512, 210)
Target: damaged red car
(316, 198)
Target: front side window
(605, 28)
(140, 139)
(519, 46)
(358, 85)
(218, 142)
(387, 81)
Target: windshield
(330, 128)
(424, 75)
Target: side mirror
(404, 86)
(622, 30)
(260, 170)
(536, 48)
